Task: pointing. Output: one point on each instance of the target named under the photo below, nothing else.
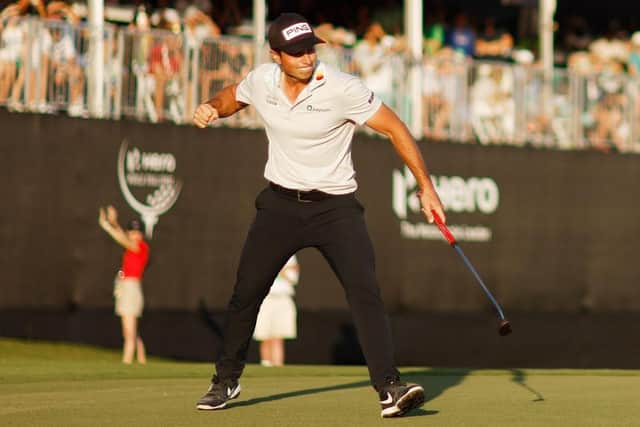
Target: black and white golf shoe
(397, 398)
(220, 391)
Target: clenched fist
(204, 115)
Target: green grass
(48, 384)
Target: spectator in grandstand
(165, 63)
(493, 43)
(25, 7)
(583, 63)
(38, 70)
(372, 58)
(202, 5)
(435, 32)
(13, 49)
(440, 86)
(277, 316)
(33, 66)
(634, 55)
(144, 80)
(66, 70)
(610, 129)
(329, 53)
(462, 37)
(165, 17)
(634, 71)
(140, 20)
(5, 61)
(129, 299)
(612, 46)
(209, 53)
(492, 104)
(113, 75)
(230, 61)
(199, 28)
(334, 52)
(63, 11)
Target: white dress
(277, 316)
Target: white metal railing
(159, 75)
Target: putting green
(70, 385)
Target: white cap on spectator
(635, 38)
(522, 56)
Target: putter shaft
(479, 279)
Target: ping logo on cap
(296, 30)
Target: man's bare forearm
(407, 148)
(225, 101)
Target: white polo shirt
(310, 139)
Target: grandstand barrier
(158, 76)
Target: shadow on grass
(435, 381)
(298, 393)
(520, 378)
(434, 385)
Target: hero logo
(457, 194)
(153, 175)
(296, 30)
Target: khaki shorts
(129, 298)
(276, 319)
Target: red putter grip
(443, 228)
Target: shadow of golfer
(297, 393)
(519, 377)
(435, 382)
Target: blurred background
(527, 113)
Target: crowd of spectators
(26, 65)
(472, 73)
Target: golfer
(310, 112)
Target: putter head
(505, 328)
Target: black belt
(301, 196)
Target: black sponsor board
(561, 235)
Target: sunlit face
(298, 67)
(134, 235)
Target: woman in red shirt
(129, 299)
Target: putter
(505, 326)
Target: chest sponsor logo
(272, 100)
(479, 195)
(296, 30)
(312, 109)
(148, 183)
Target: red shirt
(162, 57)
(133, 263)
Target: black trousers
(283, 225)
